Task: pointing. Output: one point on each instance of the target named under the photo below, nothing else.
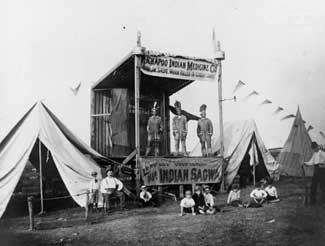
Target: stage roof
(122, 76)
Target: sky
(275, 47)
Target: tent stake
(30, 212)
(41, 175)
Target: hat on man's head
(143, 187)
(94, 173)
(177, 104)
(203, 107)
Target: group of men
(108, 187)
(180, 130)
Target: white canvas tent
(241, 138)
(296, 150)
(74, 159)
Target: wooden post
(30, 212)
(181, 191)
(193, 188)
(219, 56)
(41, 175)
(87, 206)
(159, 194)
(137, 81)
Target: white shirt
(258, 194)
(94, 185)
(209, 199)
(187, 202)
(271, 191)
(234, 195)
(110, 183)
(317, 158)
(145, 195)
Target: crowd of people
(201, 202)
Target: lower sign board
(170, 171)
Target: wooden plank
(92, 120)
(96, 122)
(181, 191)
(129, 157)
(100, 123)
(167, 125)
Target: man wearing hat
(179, 129)
(205, 132)
(154, 128)
(112, 187)
(93, 189)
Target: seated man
(145, 196)
(258, 196)
(272, 193)
(112, 187)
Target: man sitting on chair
(112, 187)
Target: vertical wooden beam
(219, 56)
(164, 116)
(40, 175)
(137, 81)
(181, 191)
(92, 119)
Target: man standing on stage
(179, 129)
(205, 132)
(318, 180)
(154, 128)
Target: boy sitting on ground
(93, 189)
(145, 196)
(234, 196)
(258, 196)
(209, 201)
(272, 194)
(199, 200)
(187, 204)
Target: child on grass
(258, 196)
(209, 201)
(199, 200)
(234, 196)
(272, 194)
(187, 204)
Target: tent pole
(40, 175)
(137, 81)
(219, 56)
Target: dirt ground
(286, 223)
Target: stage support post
(40, 175)
(138, 52)
(181, 191)
(219, 56)
(30, 212)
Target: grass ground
(286, 223)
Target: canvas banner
(178, 67)
(169, 171)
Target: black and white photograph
(163, 122)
